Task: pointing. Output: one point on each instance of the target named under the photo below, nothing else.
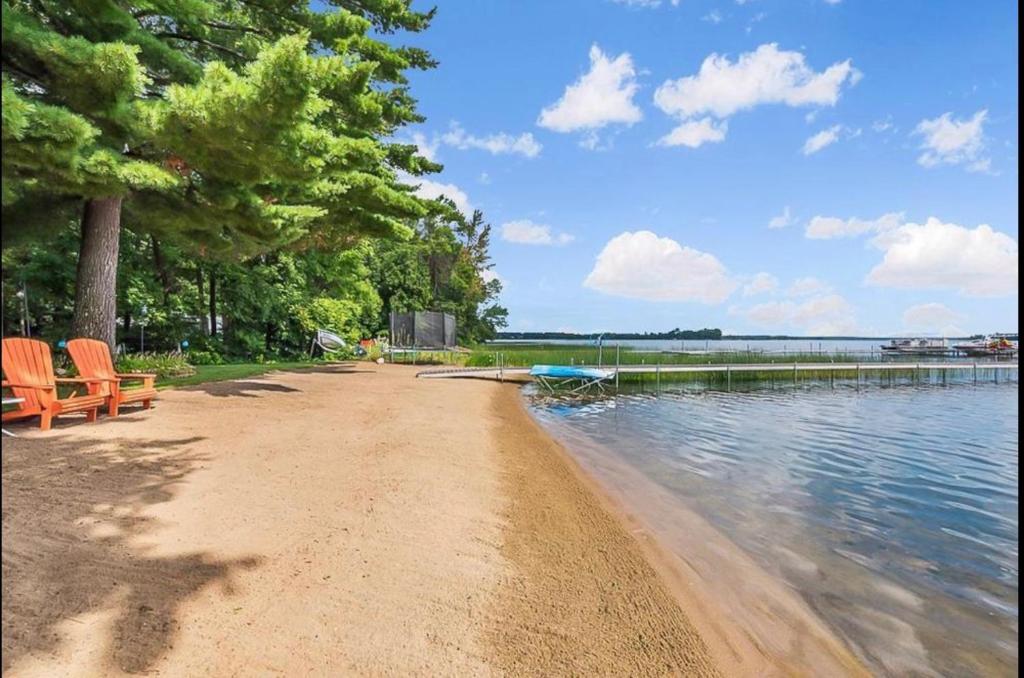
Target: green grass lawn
(208, 373)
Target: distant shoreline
(614, 336)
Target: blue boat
(563, 375)
(570, 372)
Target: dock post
(995, 373)
(858, 376)
(657, 377)
(616, 367)
(975, 374)
(794, 371)
(728, 377)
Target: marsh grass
(527, 355)
(524, 355)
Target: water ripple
(913, 486)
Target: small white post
(616, 367)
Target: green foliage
(336, 315)
(204, 357)
(237, 128)
(252, 145)
(527, 355)
(269, 305)
(444, 267)
(164, 365)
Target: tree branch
(201, 41)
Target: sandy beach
(344, 520)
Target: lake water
(892, 511)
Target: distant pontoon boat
(917, 346)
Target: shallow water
(892, 511)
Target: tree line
(226, 173)
(674, 334)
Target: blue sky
(802, 167)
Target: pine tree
(231, 126)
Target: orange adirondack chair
(28, 372)
(92, 358)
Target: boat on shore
(918, 346)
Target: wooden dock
(795, 369)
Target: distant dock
(795, 369)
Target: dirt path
(331, 522)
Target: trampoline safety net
(422, 329)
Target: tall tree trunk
(213, 304)
(96, 282)
(166, 278)
(201, 294)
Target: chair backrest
(92, 358)
(28, 361)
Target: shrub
(164, 365)
(202, 357)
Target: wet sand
(751, 620)
(340, 521)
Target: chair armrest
(41, 387)
(83, 380)
(135, 375)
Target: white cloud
(984, 166)
(804, 287)
(933, 318)
(592, 141)
(782, 220)
(602, 96)
(767, 75)
(824, 228)
(824, 315)
(883, 125)
(526, 232)
(824, 138)
(431, 190)
(427, 147)
(935, 255)
(953, 142)
(484, 178)
(757, 18)
(761, 284)
(713, 17)
(833, 2)
(487, 275)
(641, 265)
(695, 133)
(644, 4)
(496, 144)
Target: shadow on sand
(251, 388)
(242, 388)
(73, 509)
